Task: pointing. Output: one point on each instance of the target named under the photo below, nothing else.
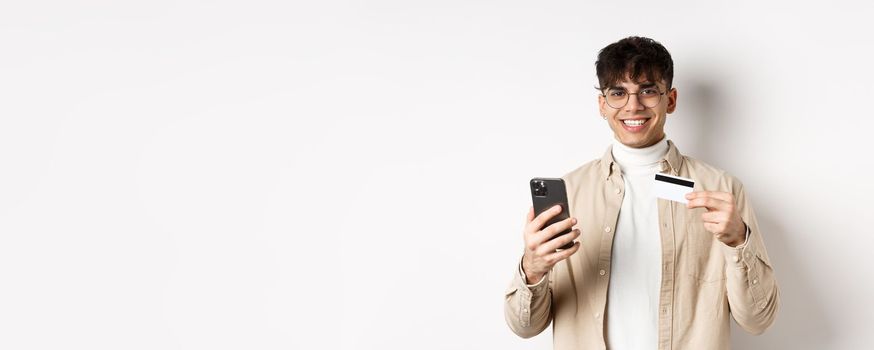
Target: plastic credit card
(672, 187)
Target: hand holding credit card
(672, 187)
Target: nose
(633, 104)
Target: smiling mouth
(635, 122)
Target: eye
(649, 92)
(616, 93)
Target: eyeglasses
(648, 97)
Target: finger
(714, 228)
(714, 216)
(557, 242)
(556, 257)
(539, 221)
(697, 202)
(550, 231)
(725, 196)
(559, 227)
(526, 230)
(707, 202)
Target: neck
(631, 157)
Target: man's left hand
(721, 218)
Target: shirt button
(755, 281)
(607, 229)
(597, 315)
(618, 191)
(602, 272)
(736, 258)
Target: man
(646, 273)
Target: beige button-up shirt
(704, 282)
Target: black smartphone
(547, 193)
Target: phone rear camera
(539, 188)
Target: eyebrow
(643, 85)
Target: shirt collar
(670, 162)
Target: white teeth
(637, 122)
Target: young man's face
(640, 122)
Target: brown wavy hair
(641, 57)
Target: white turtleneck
(633, 295)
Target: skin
(540, 252)
(654, 130)
(721, 218)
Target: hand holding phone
(548, 230)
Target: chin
(636, 142)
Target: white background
(353, 175)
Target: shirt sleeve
(753, 296)
(527, 307)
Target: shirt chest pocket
(703, 258)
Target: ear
(672, 100)
(602, 108)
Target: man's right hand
(540, 255)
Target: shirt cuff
(735, 256)
(536, 288)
